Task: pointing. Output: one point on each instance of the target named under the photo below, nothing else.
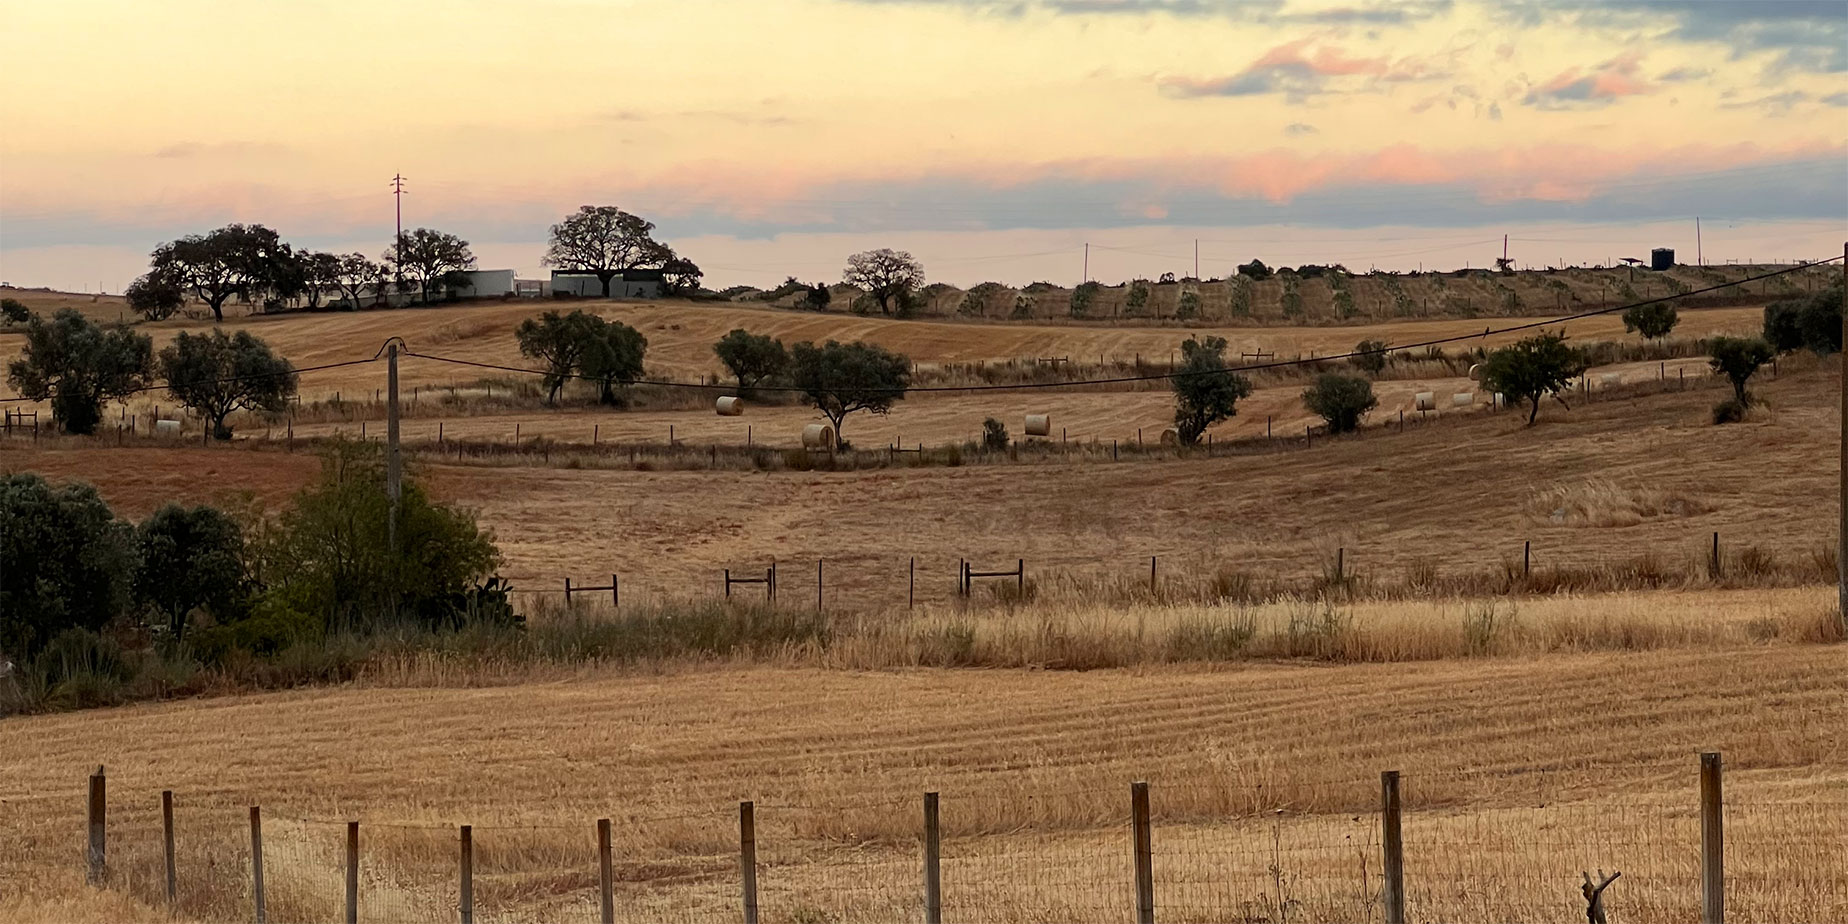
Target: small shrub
(1210, 639)
(947, 646)
(994, 435)
(1341, 400)
(1728, 411)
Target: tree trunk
(606, 277)
(218, 307)
(219, 430)
(1535, 412)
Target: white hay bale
(1500, 401)
(730, 406)
(1475, 372)
(1039, 424)
(1610, 378)
(817, 436)
(1425, 401)
(166, 426)
(1171, 437)
(1463, 399)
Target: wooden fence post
(256, 864)
(1393, 847)
(166, 824)
(466, 901)
(933, 863)
(1151, 575)
(615, 593)
(98, 813)
(911, 593)
(1712, 842)
(1144, 852)
(1020, 577)
(747, 859)
(352, 873)
(1340, 564)
(818, 585)
(1527, 557)
(606, 872)
(1713, 565)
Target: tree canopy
(1340, 399)
(156, 296)
(1652, 320)
(556, 340)
(79, 365)
(191, 558)
(605, 240)
(612, 354)
(889, 276)
(1206, 391)
(841, 378)
(69, 563)
(241, 261)
(751, 357)
(1533, 368)
(1813, 322)
(1738, 358)
(430, 258)
(214, 374)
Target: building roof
(627, 275)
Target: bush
(1728, 411)
(69, 564)
(1813, 323)
(1340, 399)
(1739, 358)
(994, 435)
(191, 559)
(1372, 358)
(1206, 391)
(1652, 320)
(14, 311)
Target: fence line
(989, 856)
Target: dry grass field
(1519, 772)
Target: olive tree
(611, 355)
(1738, 358)
(841, 378)
(558, 341)
(1206, 390)
(889, 276)
(191, 558)
(79, 365)
(429, 258)
(1533, 368)
(1653, 320)
(214, 375)
(751, 357)
(1341, 400)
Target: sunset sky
(773, 137)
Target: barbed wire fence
(1397, 848)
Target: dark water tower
(1662, 258)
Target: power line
(229, 378)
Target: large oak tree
(604, 240)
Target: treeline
(98, 609)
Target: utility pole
(1700, 258)
(1196, 258)
(397, 194)
(394, 468)
(1087, 262)
(1841, 549)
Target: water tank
(1662, 258)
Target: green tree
(1372, 356)
(1255, 270)
(604, 240)
(612, 355)
(680, 276)
(191, 558)
(1137, 299)
(1206, 390)
(1813, 322)
(1340, 399)
(818, 297)
(356, 276)
(841, 378)
(889, 276)
(155, 296)
(1738, 358)
(14, 311)
(329, 554)
(214, 374)
(558, 341)
(238, 261)
(751, 357)
(68, 562)
(1652, 320)
(1083, 298)
(1188, 306)
(1531, 369)
(429, 258)
(79, 365)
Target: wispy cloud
(1297, 71)
(1598, 86)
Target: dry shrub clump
(1608, 503)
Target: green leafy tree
(1188, 306)
(429, 258)
(1341, 400)
(1813, 322)
(321, 273)
(1206, 390)
(79, 365)
(191, 558)
(818, 297)
(68, 562)
(556, 340)
(1653, 320)
(841, 378)
(329, 555)
(14, 311)
(1531, 369)
(889, 276)
(752, 358)
(155, 296)
(604, 240)
(612, 354)
(214, 375)
(1138, 297)
(1738, 358)
(1372, 356)
(1083, 298)
(235, 261)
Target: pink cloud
(1615, 78)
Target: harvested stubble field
(1606, 483)
(1519, 772)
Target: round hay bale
(1039, 424)
(1500, 401)
(1475, 372)
(1611, 378)
(1171, 437)
(817, 436)
(1425, 401)
(166, 426)
(730, 406)
(1463, 399)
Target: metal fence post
(1393, 847)
(1144, 852)
(933, 860)
(1712, 842)
(466, 897)
(98, 812)
(606, 872)
(747, 859)
(256, 864)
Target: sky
(769, 138)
